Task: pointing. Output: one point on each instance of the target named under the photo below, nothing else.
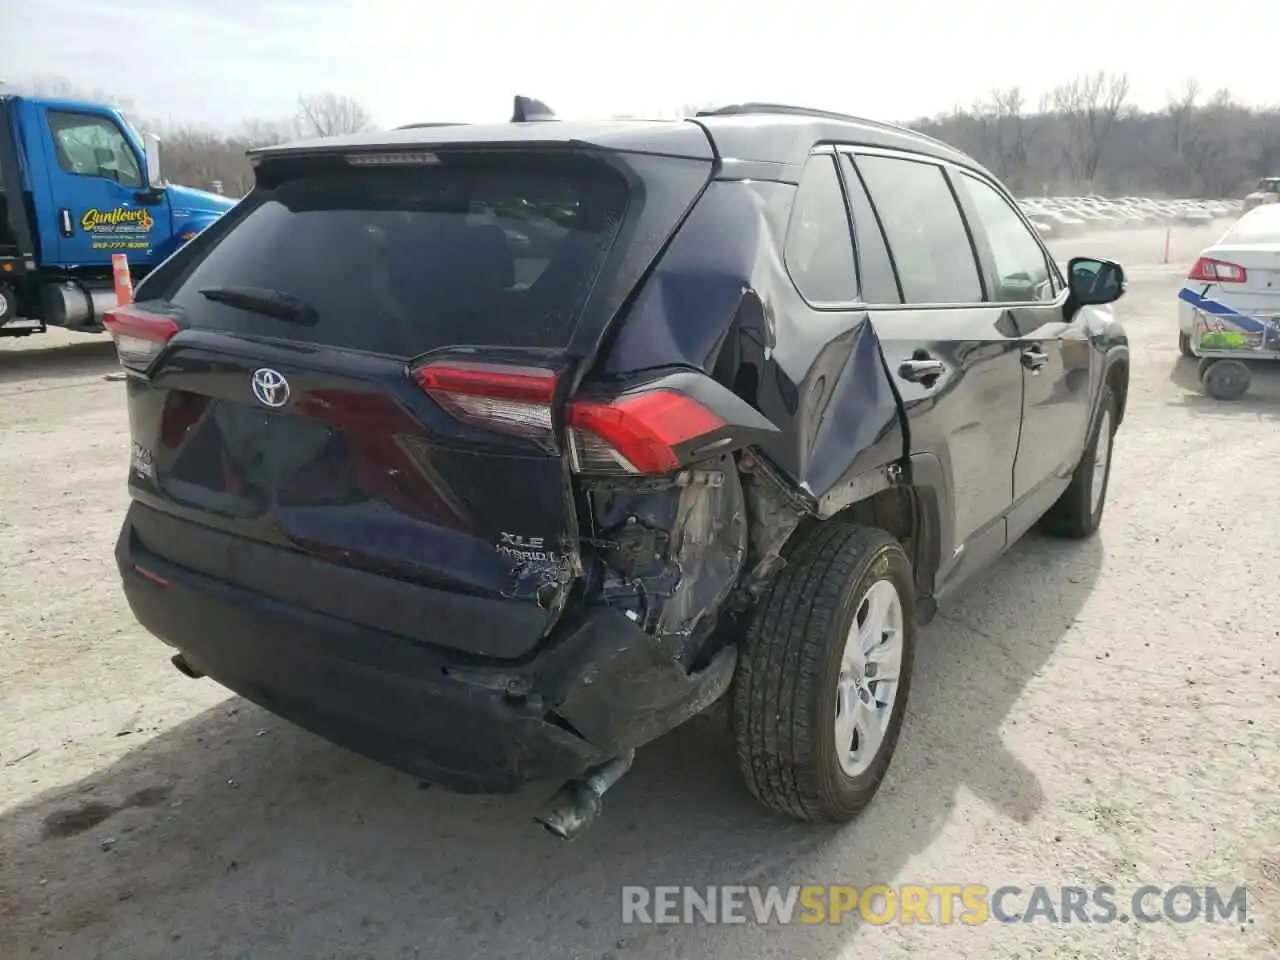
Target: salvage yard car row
(1065, 216)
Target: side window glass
(92, 146)
(879, 285)
(1022, 272)
(819, 249)
(926, 233)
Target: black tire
(785, 690)
(1184, 346)
(1074, 516)
(1226, 380)
(8, 304)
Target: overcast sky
(220, 61)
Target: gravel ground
(1105, 712)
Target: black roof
(755, 133)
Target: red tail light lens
(139, 336)
(1208, 270)
(640, 433)
(514, 400)
(636, 434)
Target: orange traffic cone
(120, 273)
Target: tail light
(640, 433)
(637, 433)
(1208, 270)
(139, 335)
(514, 400)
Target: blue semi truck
(78, 184)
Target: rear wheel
(822, 683)
(1078, 512)
(8, 305)
(1184, 346)
(1225, 379)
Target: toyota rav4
(495, 452)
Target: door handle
(919, 370)
(1033, 358)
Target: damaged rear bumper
(603, 686)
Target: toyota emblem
(270, 387)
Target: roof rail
(783, 109)
(743, 109)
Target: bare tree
(1090, 106)
(1004, 133)
(329, 114)
(1081, 133)
(56, 87)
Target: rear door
(1054, 349)
(954, 357)
(359, 372)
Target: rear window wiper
(269, 303)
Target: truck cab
(1267, 191)
(77, 185)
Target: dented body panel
(731, 310)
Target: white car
(1235, 281)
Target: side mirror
(151, 144)
(1095, 282)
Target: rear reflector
(1208, 270)
(638, 433)
(139, 336)
(150, 575)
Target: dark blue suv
(495, 452)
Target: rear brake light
(1209, 270)
(636, 434)
(639, 433)
(139, 335)
(513, 400)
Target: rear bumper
(601, 686)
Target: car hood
(192, 201)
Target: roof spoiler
(528, 110)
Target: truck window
(88, 145)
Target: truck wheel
(8, 305)
(1226, 379)
(821, 686)
(1184, 346)
(1078, 512)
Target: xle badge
(525, 548)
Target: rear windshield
(401, 260)
(1260, 225)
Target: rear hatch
(305, 374)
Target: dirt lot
(1106, 712)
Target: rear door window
(819, 247)
(401, 260)
(926, 233)
(879, 285)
